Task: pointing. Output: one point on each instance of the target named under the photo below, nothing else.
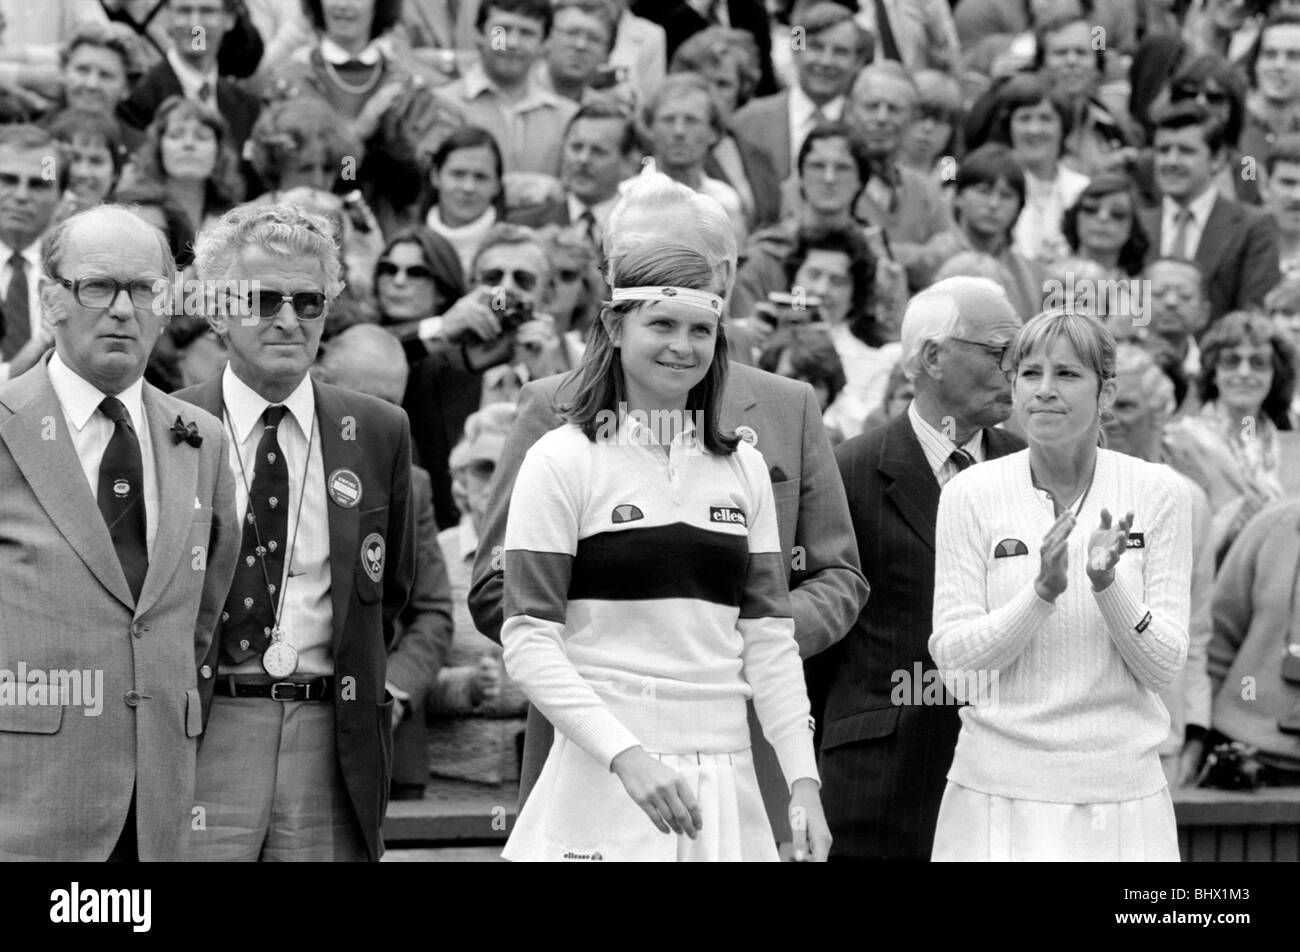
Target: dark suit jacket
(440, 395)
(237, 106)
(370, 438)
(763, 125)
(884, 766)
(763, 181)
(826, 586)
(681, 22)
(1238, 254)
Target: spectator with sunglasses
(417, 277)
(578, 289)
(483, 349)
(1102, 225)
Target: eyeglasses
(1215, 97)
(1231, 360)
(524, 280)
(9, 182)
(999, 352)
(308, 305)
(416, 272)
(102, 292)
(1116, 214)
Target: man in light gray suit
(116, 551)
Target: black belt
(252, 685)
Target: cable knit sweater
(1073, 715)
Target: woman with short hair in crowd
(1060, 611)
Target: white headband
(701, 299)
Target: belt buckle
(292, 691)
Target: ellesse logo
(726, 514)
(626, 513)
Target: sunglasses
(567, 275)
(9, 181)
(1215, 96)
(308, 305)
(524, 280)
(102, 292)
(1231, 360)
(416, 272)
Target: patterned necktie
(961, 459)
(1182, 222)
(588, 222)
(17, 323)
(121, 495)
(249, 614)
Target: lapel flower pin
(187, 432)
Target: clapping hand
(1106, 545)
(1055, 558)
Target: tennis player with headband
(1060, 636)
(645, 594)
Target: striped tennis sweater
(1075, 716)
(646, 598)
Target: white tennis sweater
(646, 599)
(1070, 713)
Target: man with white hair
(889, 730)
(298, 746)
(781, 417)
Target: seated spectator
(468, 197)
(1144, 400)
(187, 149)
(832, 169)
(933, 132)
(95, 152)
(1273, 103)
(1283, 306)
(1281, 193)
(190, 70)
(805, 352)
(300, 143)
(989, 195)
(578, 289)
(1102, 225)
(1253, 644)
(898, 395)
(1239, 447)
(579, 44)
(490, 342)
(1035, 125)
(365, 359)
(729, 60)
(477, 734)
(1179, 309)
(188, 353)
(99, 64)
(152, 203)
(416, 278)
(681, 123)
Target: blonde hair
(1089, 337)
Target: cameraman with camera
(482, 350)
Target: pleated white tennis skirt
(976, 827)
(579, 812)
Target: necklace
(356, 89)
(1082, 499)
(280, 659)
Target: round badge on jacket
(344, 488)
(372, 556)
(748, 434)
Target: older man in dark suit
(1236, 247)
(296, 757)
(887, 743)
(783, 420)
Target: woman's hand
(472, 318)
(661, 792)
(1054, 558)
(812, 836)
(1106, 546)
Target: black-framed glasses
(1231, 360)
(102, 292)
(9, 181)
(266, 302)
(999, 352)
(492, 277)
(1184, 91)
(416, 272)
(568, 275)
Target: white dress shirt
(600, 212)
(192, 80)
(307, 616)
(32, 255)
(938, 448)
(91, 430)
(1200, 207)
(803, 117)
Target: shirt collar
(802, 108)
(80, 398)
(644, 436)
(245, 406)
(937, 446)
(1200, 206)
(599, 211)
(31, 254)
(477, 83)
(336, 55)
(191, 79)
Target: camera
(782, 309)
(512, 311)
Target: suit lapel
(1219, 226)
(913, 488)
(737, 399)
(339, 453)
(39, 442)
(177, 468)
(1151, 219)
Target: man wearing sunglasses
(489, 343)
(32, 177)
(297, 747)
(118, 517)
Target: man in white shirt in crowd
(32, 177)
